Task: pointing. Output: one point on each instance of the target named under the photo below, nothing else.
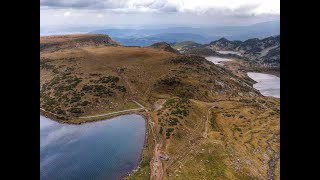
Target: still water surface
(99, 150)
(267, 84)
(229, 52)
(217, 60)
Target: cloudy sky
(115, 13)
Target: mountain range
(148, 36)
(260, 51)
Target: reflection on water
(99, 150)
(217, 60)
(229, 52)
(268, 85)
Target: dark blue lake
(99, 150)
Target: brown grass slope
(178, 91)
(79, 80)
(71, 41)
(165, 46)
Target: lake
(229, 52)
(217, 60)
(267, 84)
(108, 149)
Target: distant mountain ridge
(261, 51)
(266, 50)
(163, 37)
(202, 35)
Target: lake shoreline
(143, 150)
(140, 158)
(77, 121)
(265, 80)
(241, 63)
(217, 60)
(266, 84)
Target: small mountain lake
(108, 149)
(267, 84)
(229, 52)
(217, 60)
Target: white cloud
(100, 16)
(194, 6)
(70, 13)
(155, 12)
(66, 14)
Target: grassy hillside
(185, 44)
(91, 79)
(53, 43)
(258, 55)
(207, 120)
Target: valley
(256, 55)
(203, 120)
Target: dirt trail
(141, 106)
(156, 165)
(128, 110)
(158, 105)
(205, 133)
(48, 111)
(273, 160)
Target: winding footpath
(272, 162)
(205, 133)
(155, 164)
(99, 115)
(128, 110)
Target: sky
(128, 13)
